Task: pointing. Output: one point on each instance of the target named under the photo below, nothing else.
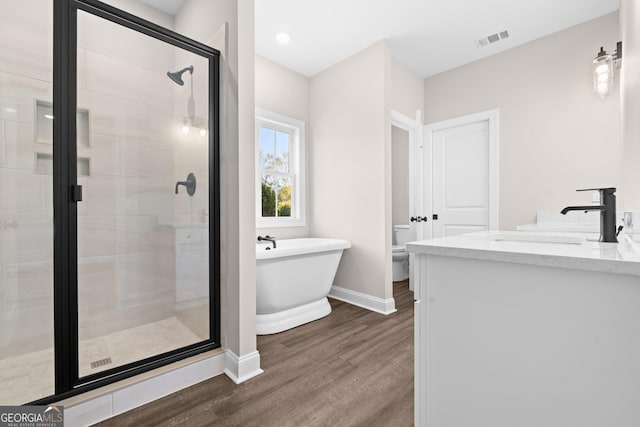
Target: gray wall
(285, 92)
(349, 154)
(347, 166)
(399, 176)
(555, 134)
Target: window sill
(279, 222)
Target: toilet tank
(402, 234)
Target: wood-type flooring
(351, 368)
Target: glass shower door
(143, 223)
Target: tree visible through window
(276, 172)
(280, 172)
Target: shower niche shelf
(44, 124)
(43, 161)
(44, 165)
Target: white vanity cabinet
(527, 330)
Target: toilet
(402, 235)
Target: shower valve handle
(190, 184)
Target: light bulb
(603, 87)
(603, 74)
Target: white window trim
(298, 211)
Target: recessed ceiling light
(283, 37)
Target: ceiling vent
(485, 41)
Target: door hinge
(76, 193)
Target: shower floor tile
(30, 376)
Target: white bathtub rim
(316, 244)
(280, 321)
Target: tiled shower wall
(26, 228)
(126, 265)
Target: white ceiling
(429, 36)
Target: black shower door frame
(66, 194)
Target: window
(279, 170)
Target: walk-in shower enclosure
(108, 265)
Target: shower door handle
(76, 193)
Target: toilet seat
(397, 248)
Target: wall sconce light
(603, 70)
(189, 123)
(186, 126)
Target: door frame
(65, 245)
(407, 124)
(492, 116)
(414, 128)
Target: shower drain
(100, 362)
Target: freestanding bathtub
(293, 281)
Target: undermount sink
(528, 238)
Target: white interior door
(463, 174)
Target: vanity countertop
(572, 228)
(565, 250)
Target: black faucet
(268, 239)
(190, 184)
(607, 208)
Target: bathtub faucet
(268, 239)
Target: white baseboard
(379, 305)
(119, 400)
(240, 369)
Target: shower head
(176, 76)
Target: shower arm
(191, 103)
